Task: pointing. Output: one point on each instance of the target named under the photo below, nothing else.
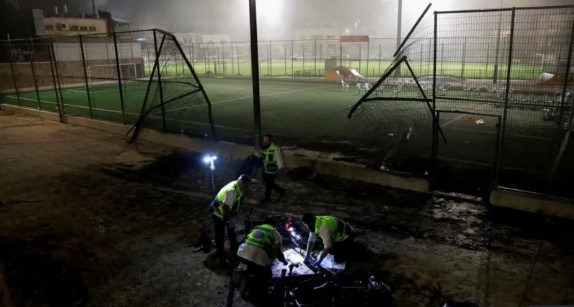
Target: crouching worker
(337, 237)
(224, 208)
(261, 246)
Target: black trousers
(343, 250)
(271, 185)
(219, 225)
(251, 163)
(259, 277)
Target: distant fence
(484, 99)
(125, 77)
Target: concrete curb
(532, 202)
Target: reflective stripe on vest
(232, 186)
(269, 162)
(261, 236)
(334, 224)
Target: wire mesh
(398, 109)
(174, 99)
(512, 64)
(540, 102)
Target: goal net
(103, 73)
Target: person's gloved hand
(317, 263)
(231, 224)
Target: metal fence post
(232, 60)
(159, 79)
(86, 76)
(52, 57)
(340, 53)
(292, 56)
(368, 57)
(32, 61)
(285, 58)
(62, 102)
(223, 68)
(436, 121)
(119, 77)
(59, 82)
(506, 96)
(360, 56)
(434, 149)
(11, 59)
(420, 60)
(304, 46)
(442, 59)
(205, 58)
(497, 50)
(463, 59)
(568, 127)
(315, 54)
(215, 58)
(380, 55)
(238, 68)
(270, 59)
(191, 56)
(487, 60)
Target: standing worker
(336, 235)
(272, 163)
(262, 244)
(224, 207)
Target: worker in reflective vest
(272, 163)
(224, 207)
(335, 234)
(261, 246)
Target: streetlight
(210, 160)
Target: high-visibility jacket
(261, 236)
(332, 223)
(270, 159)
(238, 195)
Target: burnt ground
(90, 220)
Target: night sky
(377, 17)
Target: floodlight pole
(212, 169)
(255, 73)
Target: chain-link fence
(508, 73)
(291, 58)
(115, 77)
(500, 84)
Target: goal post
(103, 73)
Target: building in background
(66, 26)
(199, 38)
(114, 24)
